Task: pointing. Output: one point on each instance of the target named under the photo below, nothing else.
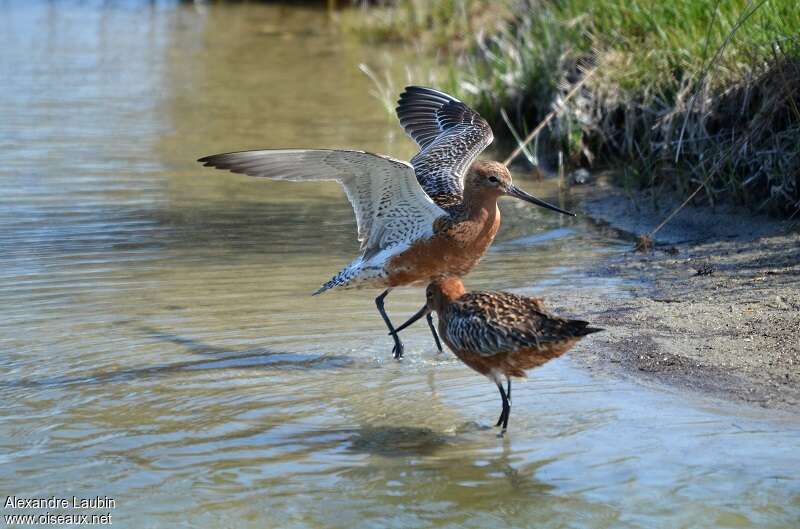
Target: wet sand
(715, 306)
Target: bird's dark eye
(493, 179)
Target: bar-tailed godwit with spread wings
(435, 216)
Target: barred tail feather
(345, 276)
(367, 270)
(327, 286)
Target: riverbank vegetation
(684, 95)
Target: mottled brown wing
(450, 136)
(488, 323)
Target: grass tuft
(686, 93)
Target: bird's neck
(480, 206)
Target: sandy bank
(715, 307)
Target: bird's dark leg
(502, 415)
(397, 350)
(506, 409)
(506, 399)
(429, 317)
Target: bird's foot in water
(397, 350)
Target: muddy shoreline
(713, 308)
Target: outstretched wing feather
(450, 136)
(389, 204)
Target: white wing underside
(390, 206)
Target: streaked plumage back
(488, 323)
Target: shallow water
(158, 344)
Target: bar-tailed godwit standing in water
(435, 216)
(498, 334)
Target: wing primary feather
(450, 136)
(390, 206)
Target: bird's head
(489, 178)
(442, 291)
(439, 293)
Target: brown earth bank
(713, 307)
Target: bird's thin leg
(506, 408)
(503, 412)
(429, 317)
(500, 420)
(397, 350)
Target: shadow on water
(448, 463)
(398, 441)
(255, 358)
(450, 451)
(395, 441)
(382, 440)
(402, 441)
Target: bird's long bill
(514, 191)
(422, 312)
